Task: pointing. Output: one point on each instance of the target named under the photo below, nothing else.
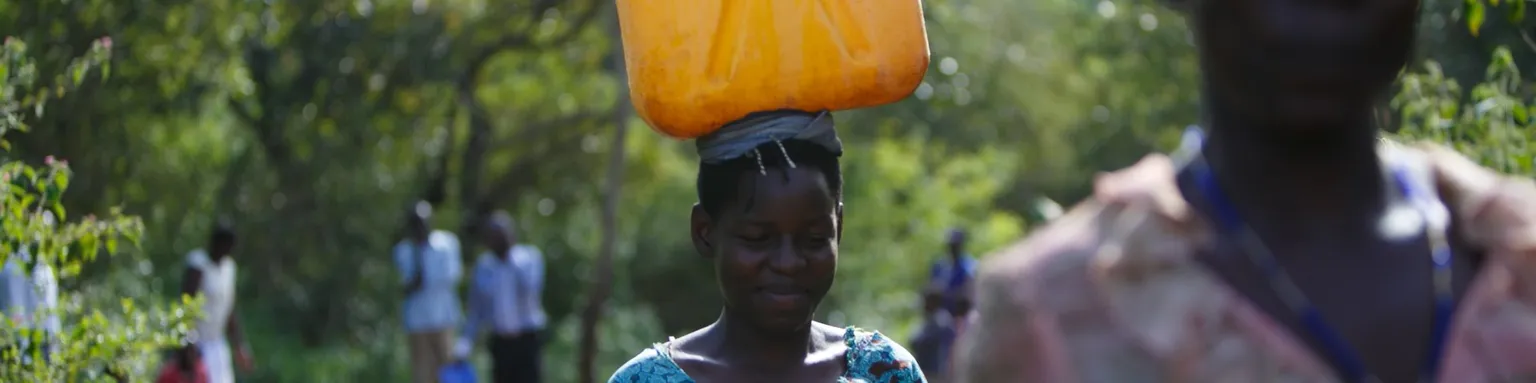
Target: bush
(100, 337)
(1493, 125)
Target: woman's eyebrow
(819, 220)
(749, 221)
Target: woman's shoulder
(444, 240)
(199, 259)
(874, 357)
(651, 366)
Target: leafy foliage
(1494, 127)
(100, 336)
(1495, 124)
(1476, 12)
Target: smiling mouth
(780, 290)
(782, 296)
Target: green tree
(102, 336)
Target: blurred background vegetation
(314, 123)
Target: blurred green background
(314, 123)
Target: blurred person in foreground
(953, 273)
(770, 218)
(211, 274)
(430, 270)
(505, 299)
(1291, 244)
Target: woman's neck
(746, 345)
(1280, 176)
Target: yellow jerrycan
(696, 65)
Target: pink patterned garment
(1111, 293)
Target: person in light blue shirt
(29, 299)
(504, 300)
(430, 270)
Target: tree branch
(510, 185)
(597, 296)
(243, 113)
(523, 40)
(258, 59)
(532, 131)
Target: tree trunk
(602, 283)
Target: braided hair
(719, 183)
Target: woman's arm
(236, 336)
(535, 273)
(474, 316)
(476, 310)
(408, 261)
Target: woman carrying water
(770, 217)
(753, 81)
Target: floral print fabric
(871, 358)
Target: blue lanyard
(1307, 314)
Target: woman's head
(222, 240)
(499, 232)
(1301, 63)
(771, 223)
(416, 221)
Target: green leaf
(1448, 109)
(1516, 11)
(1473, 9)
(61, 181)
(88, 244)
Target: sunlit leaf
(1473, 11)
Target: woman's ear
(839, 222)
(700, 223)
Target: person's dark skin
(191, 285)
(956, 247)
(775, 261)
(1291, 87)
(417, 231)
(933, 301)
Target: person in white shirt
(30, 301)
(211, 274)
(430, 269)
(505, 301)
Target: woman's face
(774, 246)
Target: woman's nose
(786, 257)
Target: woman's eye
(753, 238)
(816, 242)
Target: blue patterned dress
(871, 358)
